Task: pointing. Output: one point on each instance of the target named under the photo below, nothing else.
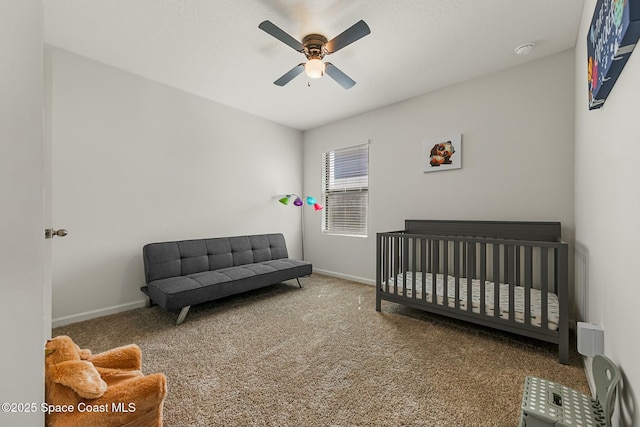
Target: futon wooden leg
(183, 314)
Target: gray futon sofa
(183, 273)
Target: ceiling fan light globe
(314, 68)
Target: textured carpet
(322, 355)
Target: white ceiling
(213, 48)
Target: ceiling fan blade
(270, 28)
(289, 75)
(348, 36)
(337, 75)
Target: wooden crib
(507, 275)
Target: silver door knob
(49, 233)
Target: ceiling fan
(315, 47)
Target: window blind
(345, 190)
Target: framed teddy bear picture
(442, 154)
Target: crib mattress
(553, 311)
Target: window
(345, 190)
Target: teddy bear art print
(442, 153)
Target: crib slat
(445, 273)
(390, 256)
(505, 267)
(511, 280)
(518, 261)
(413, 267)
(471, 255)
(544, 285)
(396, 263)
(423, 267)
(464, 260)
(382, 242)
(562, 291)
(405, 264)
(483, 277)
(434, 272)
(456, 272)
(429, 255)
(496, 280)
(556, 279)
(528, 280)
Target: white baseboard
(345, 276)
(73, 318)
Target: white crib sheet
(519, 293)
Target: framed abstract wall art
(613, 33)
(442, 153)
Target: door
(23, 251)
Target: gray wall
(135, 161)
(607, 204)
(517, 160)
